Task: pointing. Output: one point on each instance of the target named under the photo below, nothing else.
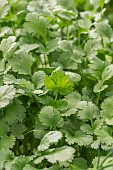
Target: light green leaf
(74, 77)
(65, 45)
(79, 137)
(22, 63)
(96, 68)
(75, 97)
(49, 138)
(36, 24)
(50, 117)
(14, 113)
(87, 129)
(59, 82)
(19, 163)
(18, 130)
(10, 142)
(104, 135)
(4, 8)
(6, 155)
(87, 111)
(52, 45)
(101, 3)
(108, 161)
(7, 93)
(39, 130)
(69, 112)
(29, 167)
(84, 25)
(107, 110)
(8, 47)
(61, 154)
(79, 164)
(104, 29)
(38, 79)
(107, 72)
(99, 87)
(91, 48)
(28, 47)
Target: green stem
(56, 95)
(25, 149)
(29, 132)
(105, 158)
(111, 165)
(97, 101)
(32, 147)
(78, 38)
(67, 33)
(98, 156)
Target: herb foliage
(56, 85)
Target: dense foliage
(56, 85)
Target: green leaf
(80, 138)
(65, 46)
(96, 68)
(50, 117)
(107, 110)
(59, 82)
(18, 130)
(99, 87)
(14, 113)
(74, 77)
(19, 163)
(87, 111)
(4, 128)
(22, 63)
(8, 47)
(39, 130)
(75, 97)
(38, 79)
(52, 44)
(69, 112)
(6, 155)
(79, 164)
(91, 48)
(107, 73)
(104, 135)
(108, 161)
(104, 29)
(49, 101)
(49, 138)
(4, 8)
(36, 24)
(29, 167)
(7, 93)
(87, 129)
(28, 47)
(84, 25)
(101, 3)
(61, 154)
(10, 142)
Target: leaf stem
(98, 156)
(56, 95)
(97, 101)
(105, 158)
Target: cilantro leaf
(22, 63)
(50, 117)
(49, 138)
(87, 110)
(59, 82)
(107, 110)
(7, 93)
